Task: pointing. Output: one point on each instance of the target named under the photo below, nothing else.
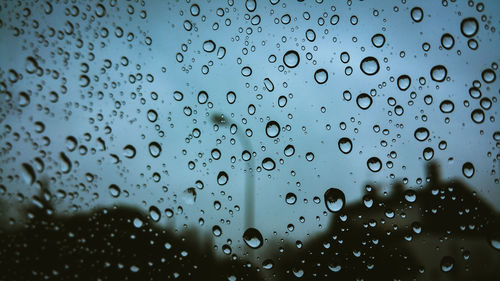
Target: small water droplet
(334, 199)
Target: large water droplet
(468, 170)
(154, 149)
(29, 174)
(447, 263)
(253, 238)
(364, 101)
(272, 129)
(404, 82)
(289, 150)
(291, 59)
(378, 40)
(268, 164)
(334, 199)
(321, 76)
(477, 116)
(421, 134)
(438, 73)
(469, 27)
(129, 151)
(447, 106)
(290, 198)
(369, 66)
(65, 163)
(345, 145)
(209, 46)
(222, 178)
(154, 213)
(417, 14)
(374, 164)
(114, 190)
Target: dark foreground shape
(442, 231)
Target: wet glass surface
(249, 140)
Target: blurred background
(257, 125)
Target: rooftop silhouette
(442, 231)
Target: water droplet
(138, 223)
(65, 163)
(410, 195)
(289, 150)
(378, 40)
(246, 71)
(488, 76)
(417, 14)
(447, 263)
(215, 154)
(268, 84)
(268, 164)
(469, 27)
(29, 174)
(468, 170)
(374, 164)
(152, 115)
(495, 241)
(290, 198)
(253, 238)
(477, 116)
(114, 190)
(209, 46)
(268, 264)
(404, 82)
(334, 199)
(154, 149)
(129, 151)
(421, 134)
(309, 156)
(272, 129)
(222, 178)
(321, 76)
(447, 41)
(345, 145)
(291, 59)
(364, 101)
(154, 213)
(251, 5)
(310, 35)
(447, 106)
(428, 153)
(438, 73)
(369, 66)
(189, 196)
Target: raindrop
(447, 41)
(447, 106)
(438, 73)
(495, 241)
(417, 14)
(291, 59)
(272, 129)
(29, 174)
(269, 84)
(290, 198)
(253, 238)
(469, 27)
(152, 115)
(222, 178)
(421, 134)
(488, 76)
(447, 263)
(268, 164)
(251, 5)
(154, 213)
(477, 116)
(310, 35)
(321, 76)
(65, 163)
(114, 190)
(345, 145)
(289, 150)
(334, 199)
(154, 149)
(428, 153)
(468, 170)
(374, 164)
(404, 82)
(378, 40)
(369, 66)
(364, 101)
(209, 46)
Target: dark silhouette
(438, 232)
